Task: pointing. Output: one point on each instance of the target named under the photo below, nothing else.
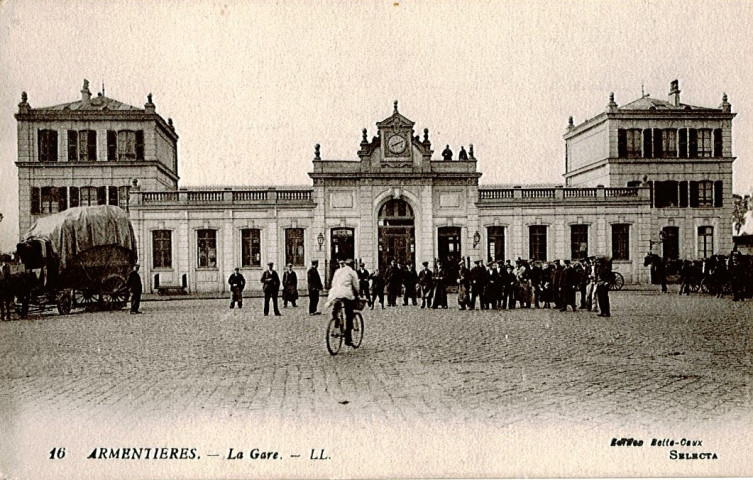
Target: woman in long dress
(440, 288)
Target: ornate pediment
(396, 122)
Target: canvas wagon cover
(80, 228)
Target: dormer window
(125, 145)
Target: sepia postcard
(381, 239)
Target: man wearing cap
(237, 284)
(410, 279)
(363, 282)
(270, 285)
(135, 287)
(345, 288)
(289, 287)
(314, 284)
(426, 283)
(393, 279)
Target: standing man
(135, 287)
(289, 287)
(314, 284)
(410, 279)
(363, 282)
(426, 283)
(377, 288)
(270, 285)
(478, 284)
(440, 287)
(603, 275)
(237, 284)
(394, 282)
(6, 297)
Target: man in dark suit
(478, 284)
(270, 285)
(314, 283)
(394, 281)
(363, 282)
(237, 284)
(426, 283)
(135, 287)
(410, 278)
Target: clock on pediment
(396, 132)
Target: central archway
(397, 233)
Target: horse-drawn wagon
(81, 257)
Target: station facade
(650, 175)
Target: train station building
(648, 175)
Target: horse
(658, 270)
(19, 286)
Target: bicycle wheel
(357, 333)
(618, 282)
(334, 336)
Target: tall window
(537, 242)
(125, 145)
(705, 193)
(294, 247)
(47, 143)
(669, 142)
(633, 144)
(88, 196)
(206, 245)
(250, 247)
(162, 249)
(123, 197)
(495, 242)
(50, 200)
(578, 241)
(620, 241)
(82, 145)
(671, 243)
(75, 197)
(666, 194)
(705, 241)
(704, 143)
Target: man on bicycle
(345, 289)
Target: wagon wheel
(114, 292)
(84, 298)
(705, 285)
(694, 287)
(64, 302)
(617, 281)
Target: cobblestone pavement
(658, 356)
(660, 360)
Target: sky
(252, 86)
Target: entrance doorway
(671, 243)
(342, 247)
(397, 239)
(449, 251)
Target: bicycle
(336, 327)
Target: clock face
(397, 144)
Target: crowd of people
(494, 286)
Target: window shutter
(683, 136)
(693, 194)
(139, 144)
(35, 201)
(113, 196)
(54, 145)
(72, 145)
(112, 145)
(647, 143)
(692, 143)
(718, 193)
(101, 195)
(62, 198)
(651, 192)
(622, 143)
(683, 194)
(92, 147)
(74, 197)
(658, 143)
(718, 151)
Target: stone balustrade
(492, 195)
(223, 197)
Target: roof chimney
(86, 95)
(674, 93)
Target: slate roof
(648, 103)
(98, 103)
